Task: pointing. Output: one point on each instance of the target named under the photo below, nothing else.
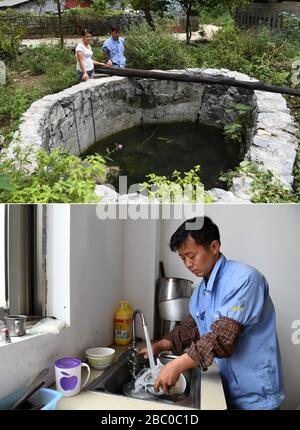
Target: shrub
(14, 101)
(216, 15)
(40, 59)
(179, 188)
(147, 49)
(254, 52)
(59, 78)
(266, 187)
(291, 27)
(99, 9)
(10, 40)
(58, 177)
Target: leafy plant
(180, 188)
(99, 6)
(291, 27)
(58, 69)
(44, 58)
(10, 40)
(266, 187)
(58, 177)
(13, 102)
(235, 130)
(215, 14)
(58, 79)
(96, 11)
(148, 49)
(254, 52)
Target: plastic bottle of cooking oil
(123, 323)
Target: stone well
(88, 112)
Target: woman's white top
(87, 53)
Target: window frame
(26, 260)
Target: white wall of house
(33, 6)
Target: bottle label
(122, 329)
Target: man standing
(231, 322)
(113, 49)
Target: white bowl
(100, 358)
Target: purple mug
(68, 375)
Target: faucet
(3, 313)
(137, 311)
(133, 360)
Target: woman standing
(84, 54)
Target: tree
(59, 4)
(190, 7)
(99, 6)
(150, 5)
(232, 5)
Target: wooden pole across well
(190, 77)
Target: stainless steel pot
(172, 303)
(174, 310)
(173, 288)
(16, 324)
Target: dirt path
(209, 31)
(69, 41)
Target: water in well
(163, 148)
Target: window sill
(26, 337)
(20, 339)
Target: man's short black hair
(115, 28)
(203, 236)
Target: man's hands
(109, 63)
(169, 374)
(157, 347)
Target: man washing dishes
(231, 322)
(113, 49)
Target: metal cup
(16, 324)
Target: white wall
(96, 274)
(2, 261)
(141, 254)
(267, 237)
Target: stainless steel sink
(115, 377)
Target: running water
(144, 381)
(142, 385)
(150, 354)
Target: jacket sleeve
(220, 342)
(183, 335)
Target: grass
(219, 15)
(34, 74)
